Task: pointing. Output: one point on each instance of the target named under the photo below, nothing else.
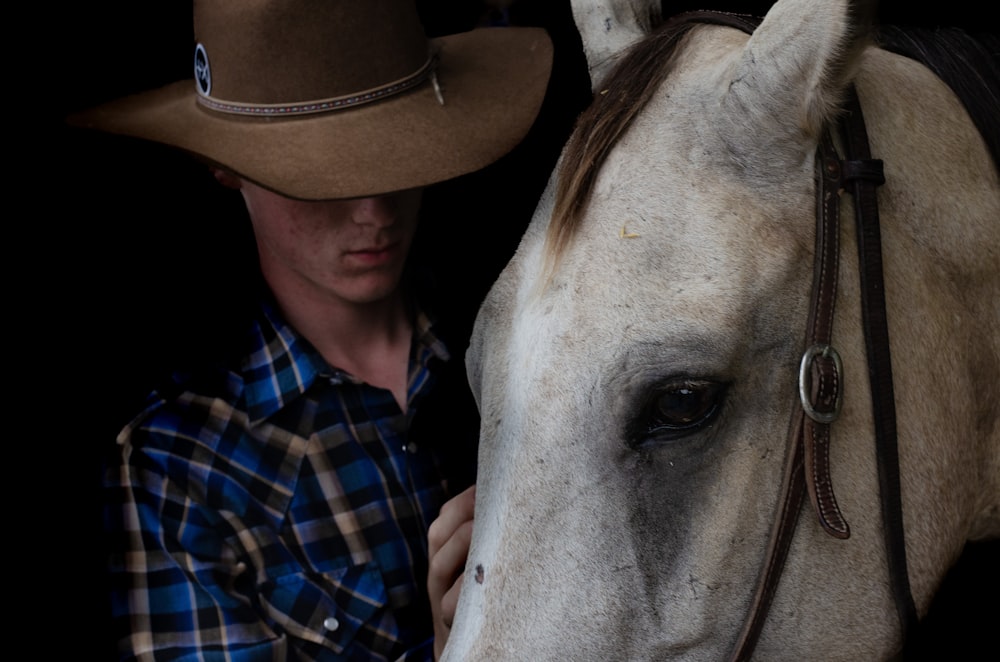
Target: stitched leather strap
(824, 390)
(807, 452)
(807, 456)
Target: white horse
(637, 363)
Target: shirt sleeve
(177, 586)
(209, 577)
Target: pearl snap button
(331, 623)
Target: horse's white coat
(589, 550)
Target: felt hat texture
(319, 99)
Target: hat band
(323, 105)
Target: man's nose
(378, 210)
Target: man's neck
(370, 341)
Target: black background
(133, 251)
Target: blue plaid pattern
(275, 511)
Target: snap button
(331, 623)
(410, 447)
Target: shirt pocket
(326, 609)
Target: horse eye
(678, 409)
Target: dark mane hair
(625, 92)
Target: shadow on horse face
(637, 363)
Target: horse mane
(626, 91)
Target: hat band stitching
(323, 105)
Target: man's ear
(226, 178)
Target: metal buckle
(827, 352)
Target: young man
(275, 502)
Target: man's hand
(448, 546)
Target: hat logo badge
(202, 73)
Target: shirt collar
(281, 364)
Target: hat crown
(289, 51)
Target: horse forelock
(625, 93)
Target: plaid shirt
(275, 512)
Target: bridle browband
(807, 457)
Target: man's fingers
(448, 541)
(447, 562)
(454, 513)
(449, 603)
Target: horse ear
(608, 27)
(797, 64)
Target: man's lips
(374, 254)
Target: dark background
(137, 253)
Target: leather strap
(862, 175)
(807, 453)
(820, 379)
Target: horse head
(636, 364)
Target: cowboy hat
(318, 99)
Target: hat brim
(492, 81)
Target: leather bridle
(807, 457)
